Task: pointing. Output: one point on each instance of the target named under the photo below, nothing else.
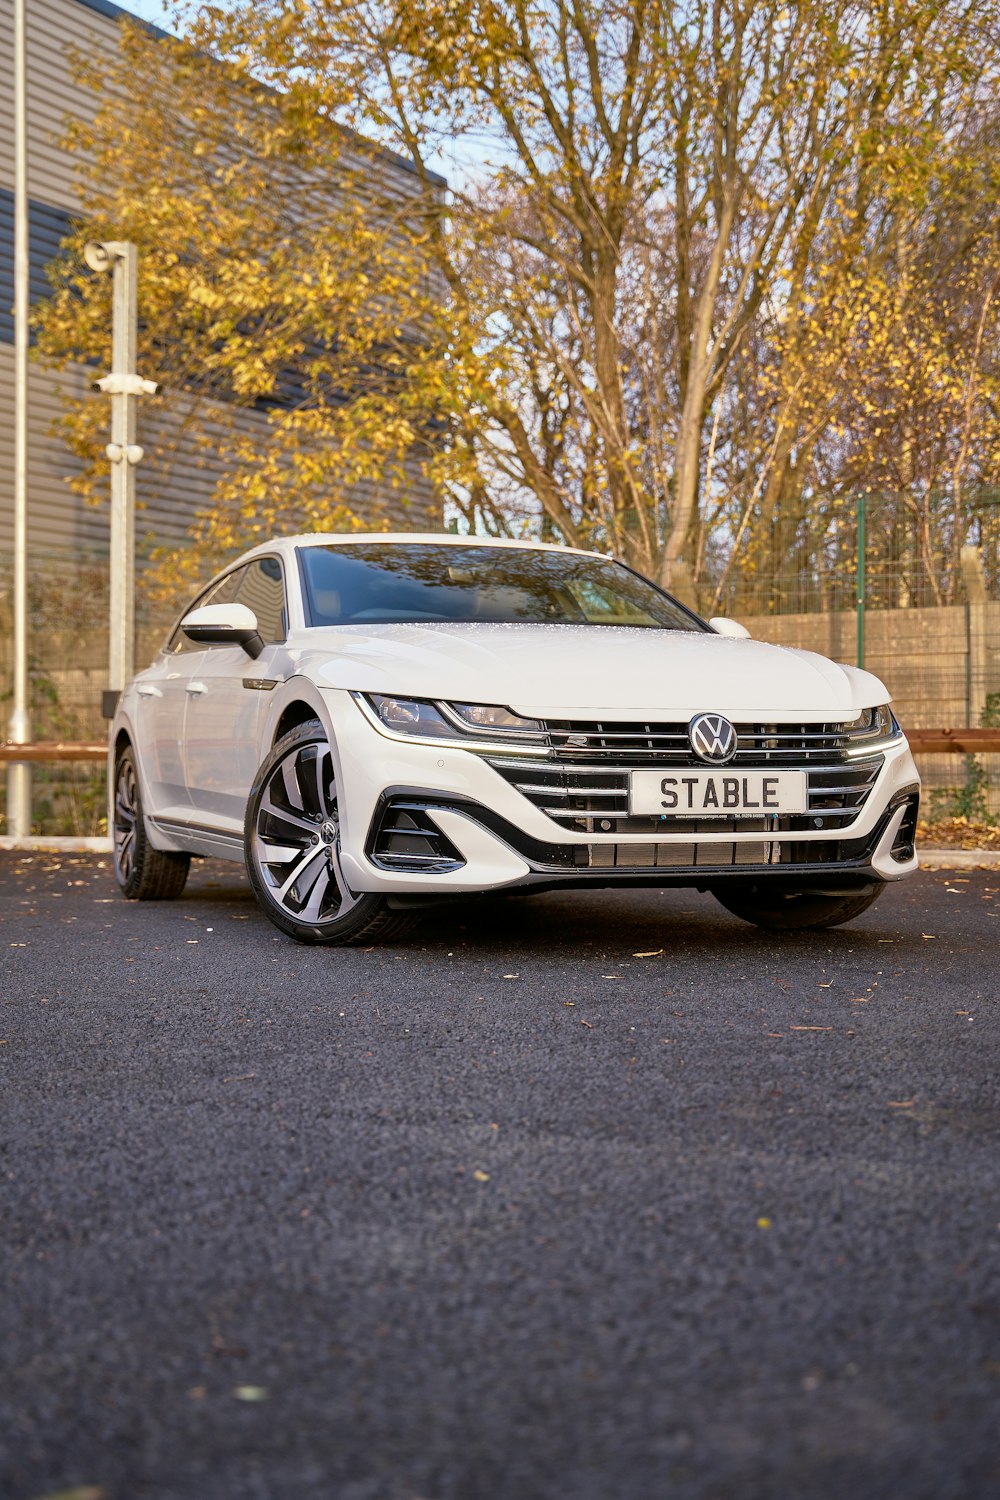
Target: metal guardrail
(52, 750)
(922, 741)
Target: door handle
(148, 690)
(195, 687)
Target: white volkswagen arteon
(372, 721)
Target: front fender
(294, 690)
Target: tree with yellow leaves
(649, 204)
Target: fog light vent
(903, 844)
(405, 837)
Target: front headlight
(872, 726)
(879, 722)
(492, 716)
(411, 716)
(450, 721)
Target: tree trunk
(676, 572)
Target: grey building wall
(60, 524)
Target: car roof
(444, 538)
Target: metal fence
(863, 552)
(898, 587)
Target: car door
(226, 695)
(160, 706)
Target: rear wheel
(796, 911)
(144, 873)
(292, 847)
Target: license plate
(717, 794)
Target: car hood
(571, 671)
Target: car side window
(221, 592)
(262, 589)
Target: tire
(142, 872)
(796, 911)
(292, 848)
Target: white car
(373, 721)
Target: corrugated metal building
(60, 524)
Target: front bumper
(479, 833)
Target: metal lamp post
(123, 385)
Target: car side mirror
(732, 628)
(224, 625)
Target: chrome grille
(757, 744)
(582, 781)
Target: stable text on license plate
(717, 794)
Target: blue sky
(149, 10)
(455, 165)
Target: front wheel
(292, 848)
(796, 911)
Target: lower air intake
(405, 837)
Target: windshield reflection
(421, 582)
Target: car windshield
(423, 582)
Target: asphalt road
(583, 1197)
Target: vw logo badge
(712, 738)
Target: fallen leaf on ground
(655, 953)
(250, 1392)
(480, 1175)
(902, 1103)
(78, 1492)
(958, 833)
(588, 1024)
(810, 1028)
